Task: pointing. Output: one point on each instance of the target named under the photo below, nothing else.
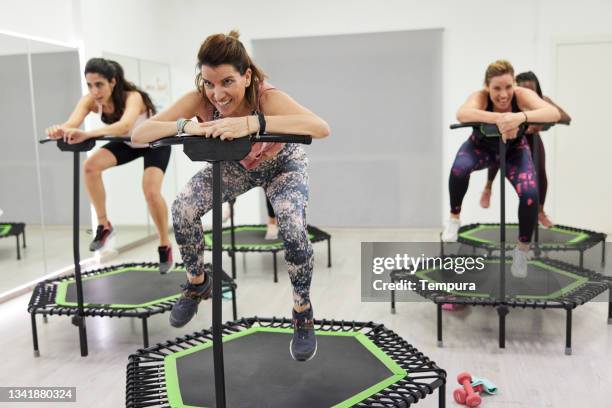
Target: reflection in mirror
(56, 81)
(126, 206)
(19, 178)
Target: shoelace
(189, 291)
(303, 326)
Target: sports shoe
(102, 235)
(451, 230)
(303, 346)
(271, 232)
(165, 259)
(520, 260)
(544, 220)
(187, 305)
(485, 198)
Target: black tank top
(494, 141)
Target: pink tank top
(259, 151)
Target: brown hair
(220, 49)
(111, 69)
(497, 68)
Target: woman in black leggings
(530, 81)
(507, 106)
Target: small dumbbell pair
(466, 395)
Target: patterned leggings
(285, 181)
(541, 173)
(475, 155)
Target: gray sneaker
(520, 259)
(303, 346)
(187, 305)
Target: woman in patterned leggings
(231, 101)
(507, 106)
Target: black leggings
(475, 155)
(270, 209)
(540, 171)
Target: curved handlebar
(268, 137)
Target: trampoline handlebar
(99, 138)
(473, 124)
(268, 137)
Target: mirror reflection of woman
(122, 106)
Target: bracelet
(262, 123)
(526, 118)
(180, 126)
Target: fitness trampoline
(251, 238)
(549, 284)
(9, 229)
(134, 290)
(357, 364)
(557, 238)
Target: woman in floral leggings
(232, 100)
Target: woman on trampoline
(501, 103)
(122, 106)
(232, 100)
(532, 134)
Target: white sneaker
(520, 259)
(451, 230)
(272, 232)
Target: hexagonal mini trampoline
(357, 364)
(549, 284)
(557, 238)
(10, 229)
(251, 238)
(135, 290)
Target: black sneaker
(303, 345)
(165, 259)
(102, 236)
(187, 305)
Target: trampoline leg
(45, 320)
(442, 396)
(329, 252)
(392, 300)
(145, 332)
(603, 252)
(568, 332)
(581, 260)
(502, 311)
(232, 255)
(610, 305)
(439, 314)
(34, 335)
(234, 307)
(24, 240)
(275, 268)
(18, 251)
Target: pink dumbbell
(466, 395)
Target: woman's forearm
(549, 114)
(152, 130)
(466, 115)
(298, 124)
(115, 129)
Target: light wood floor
(531, 372)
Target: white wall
(476, 32)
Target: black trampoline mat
(126, 287)
(259, 372)
(553, 236)
(542, 282)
